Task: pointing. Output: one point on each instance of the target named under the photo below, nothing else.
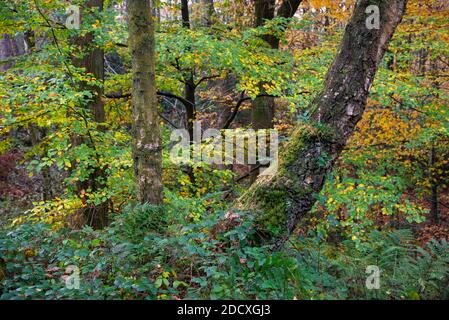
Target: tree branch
(184, 101)
(240, 102)
(119, 95)
(206, 79)
(168, 121)
(235, 111)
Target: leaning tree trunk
(282, 199)
(147, 143)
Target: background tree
(91, 60)
(265, 10)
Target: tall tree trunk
(283, 199)
(264, 10)
(147, 142)
(92, 61)
(189, 95)
(185, 14)
(434, 198)
(262, 112)
(263, 108)
(189, 89)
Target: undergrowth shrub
(165, 253)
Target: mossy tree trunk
(147, 143)
(283, 199)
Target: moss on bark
(282, 200)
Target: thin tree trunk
(263, 108)
(189, 89)
(264, 10)
(434, 198)
(189, 95)
(147, 143)
(185, 14)
(287, 10)
(283, 199)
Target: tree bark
(434, 198)
(189, 94)
(9, 47)
(262, 112)
(282, 199)
(189, 90)
(287, 10)
(92, 61)
(147, 142)
(189, 87)
(263, 108)
(185, 14)
(265, 10)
